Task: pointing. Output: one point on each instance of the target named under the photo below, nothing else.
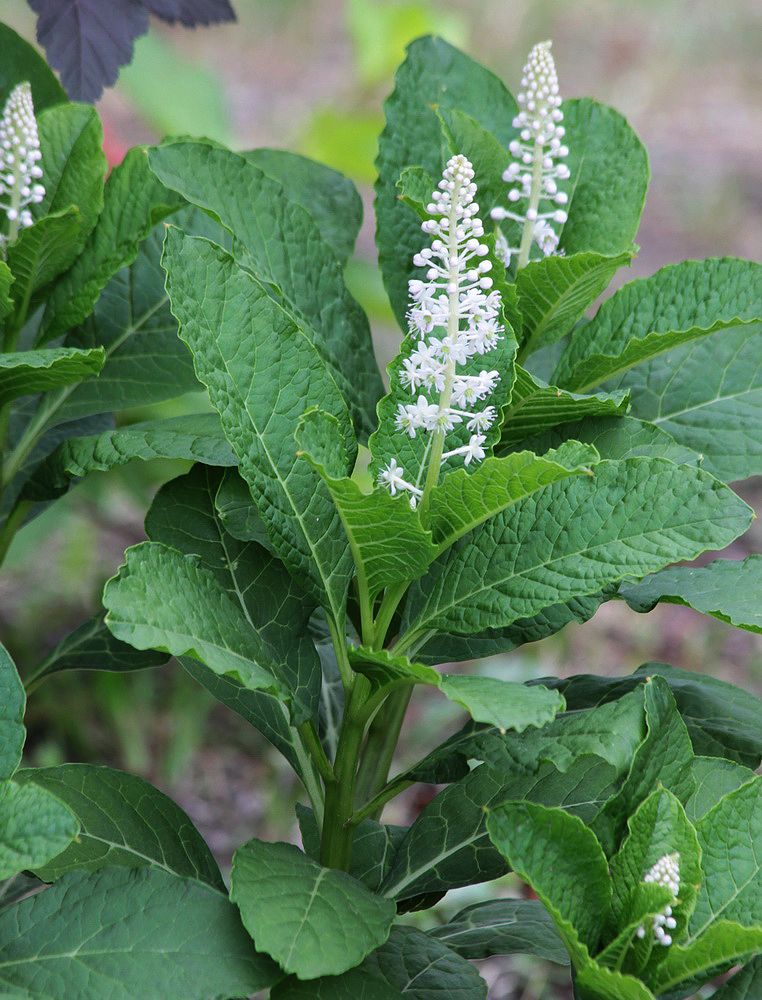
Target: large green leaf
(615, 437)
(571, 539)
(388, 541)
(608, 183)
(503, 927)
(727, 589)
(708, 396)
(123, 820)
(723, 720)
(463, 500)
(41, 252)
(730, 835)
(595, 982)
(22, 62)
(284, 245)
(724, 944)
(73, 163)
(434, 76)
(410, 965)
(262, 373)
(134, 200)
(328, 196)
(536, 406)
(555, 292)
(12, 705)
(122, 933)
(448, 845)
(313, 921)
(714, 779)
(563, 862)
(162, 599)
(271, 600)
(196, 438)
(679, 303)
(24, 373)
(35, 826)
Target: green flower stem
(315, 749)
(373, 808)
(534, 201)
(383, 735)
(337, 838)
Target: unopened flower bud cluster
(20, 157)
(540, 142)
(454, 316)
(666, 873)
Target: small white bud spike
(539, 126)
(454, 316)
(666, 873)
(20, 168)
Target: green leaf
(313, 921)
(730, 835)
(388, 542)
(464, 500)
(571, 539)
(6, 280)
(563, 862)
(237, 511)
(12, 705)
(723, 720)
(74, 165)
(121, 933)
(22, 62)
(133, 202)
(664, 756)
(555, 292)
(594, 982)
(727, 589)
(448, 845)
(24, 373)
(679, 303)
(722, 945)
(714, 778)
(609, 179)
(503, 927)
(197, 437)
(330, 198)
(435, 76)
(536, 407)
(410, 964)
(41, 252)
(123, 820)
(201, 620)
(745, 985)
(262, 373)
(708, 396)
(287, 251)
(617, 438)
(35, 826)
(92, 647)
(270, 599)
(658, 827)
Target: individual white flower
(536, 169)
(20, 156)
(666, 873)
(454, 316)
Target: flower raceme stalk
(19, 161)
(454, 315)
(666, 873)
(536, 170)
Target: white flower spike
(20, 157)
(454, 316)
(666, 873)
(536, 168)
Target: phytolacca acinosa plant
(454, 315)
(20, 157)
(536, 170)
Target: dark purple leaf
(88, 40)
(192, 12)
